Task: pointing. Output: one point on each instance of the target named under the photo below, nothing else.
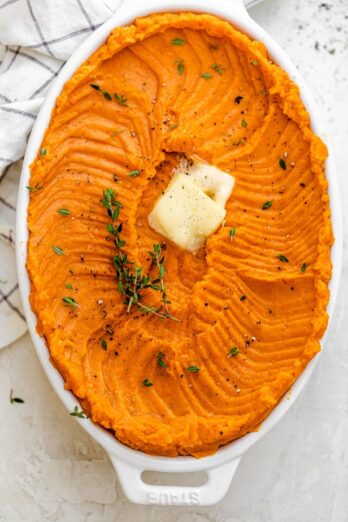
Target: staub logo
(172, 498)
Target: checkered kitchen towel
(36, 37)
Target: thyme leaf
(266, 205)
(69, 301)
(134, 173)
(178, 41)
(233, 352)
(180, 66)
(57, 250)
(282, 164)
(63, 211)
(193, 369)
(233, 232)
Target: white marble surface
(50, 470)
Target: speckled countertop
(50, 470)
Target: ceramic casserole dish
(130, 464)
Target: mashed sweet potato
(187, 84)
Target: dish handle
(139, 492)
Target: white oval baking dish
(130, 464)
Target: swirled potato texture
(181, 85)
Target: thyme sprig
(158, 261)
(121, 99)
(131, 278)
(106, 94)
(35, 188)
(78, 413)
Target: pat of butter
(215, 183)
(192, 207)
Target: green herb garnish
(174, 126)
(69, 286)
(147, 383)
(193, 369)
(57, 250)
(158, 261)
(233, 232)
(34, 189)
(303, 267)
(134, 173)
(160, 360)
(63, 211)
(282, 164)
(233, 352)
(121, 100)
(69, 301)
(106, 94)
(104, 344)
(266, 205)
(217, 68)
(244, 123)
(130, 277)
(178, 41)
(180, 66)
(43, 152)
(243, 297)
(282, 258)
(13, 399)
(206, 75)
(76, 413)
(113, 134)
(254, 62)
